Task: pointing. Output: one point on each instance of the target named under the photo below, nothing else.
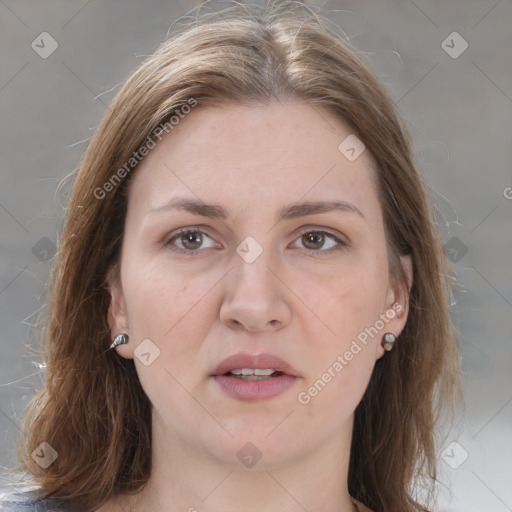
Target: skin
(301, 300)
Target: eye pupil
(315, 238)
(193, 238)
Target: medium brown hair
(92, 409)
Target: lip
(253, 361)
(254, 390)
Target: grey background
(459, 111)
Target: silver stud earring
(388, 340)
(120, 339)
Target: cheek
(175, 312)
(341, 364)
(164, 304)
(349, 299)
(349, 302)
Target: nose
(255, 299)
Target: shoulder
(28, 500)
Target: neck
(184, 478)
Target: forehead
(255, 155)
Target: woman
(249, 303)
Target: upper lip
(254, 361)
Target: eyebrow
(292, 211)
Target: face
(288, 259)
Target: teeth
(251, 371)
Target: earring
(120, 339)
(388, 340)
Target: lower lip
(252, 390)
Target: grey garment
(30, 501)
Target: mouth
(254, 374)
(263, 365)
(254, 377)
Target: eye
(321, 241)
(188, 241)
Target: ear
(397, 304)
(117, 317)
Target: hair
(92, 409)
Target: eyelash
(319, 252)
